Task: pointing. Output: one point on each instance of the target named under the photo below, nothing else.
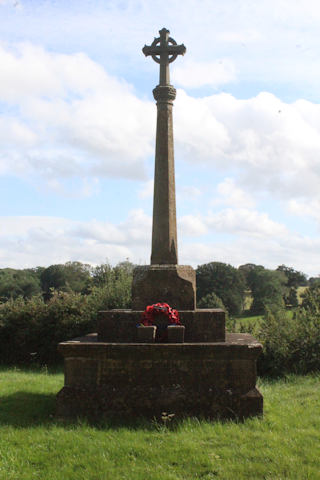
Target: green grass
(241, 323)
(249, 318)
(33, 445)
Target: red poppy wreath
(152, 311)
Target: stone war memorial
(155, 359)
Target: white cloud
(70, 117)
(245, 221)
(252, 237)
(243, 37)
(147, 189)
(274, 146)
(67, 117)
(270, 41)
(191, 225)
(231, 194)
(30, 241)
(188, 192)
(305, 208)
(194, 74)
(234, 221)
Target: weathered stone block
(207, 379)
(172, 284)
(200, 325)
(176, 333)
(146, 334)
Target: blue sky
(77, 128)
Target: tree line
(249, 287)
(43, 306)
(222, 285)
(74, 277)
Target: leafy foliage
(15, 283)
(294, 278)
(268, 288)
(72, 276)
(211, 300)
(30, 329)
(225, 281)
(113, 285)
(291, 342)
(291, 339)
(291, 298)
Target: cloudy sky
(77, 131)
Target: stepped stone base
(120, 326)
(212, 380)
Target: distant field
(300, 292)
(241, 322)
(249, 318)
(33, 445)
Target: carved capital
(164, 93)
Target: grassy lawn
(33, 445)
(242, 322)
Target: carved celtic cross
(164, 50)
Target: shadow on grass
(26, 409)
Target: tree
(294, 278)
(15, 283)
(314, 281)
(291, 299)
(246, 270)
(211, 300)
(268, 288)
(71, 276)
(225, 281)
(102, 274)
(113, 285)
(311, 299)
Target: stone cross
(167, 46)
(164, 50)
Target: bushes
(291, 342)
(211, 300)
(31, 329)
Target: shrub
(291, 342)
(115, 292)
(211, 300)
(31, 329)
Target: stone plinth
(120, 326)
(172, 284)
(206, 379)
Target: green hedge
(291, 343)
(30, 329)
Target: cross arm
(169, 49)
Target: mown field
(284, 444)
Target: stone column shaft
(164, 230)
